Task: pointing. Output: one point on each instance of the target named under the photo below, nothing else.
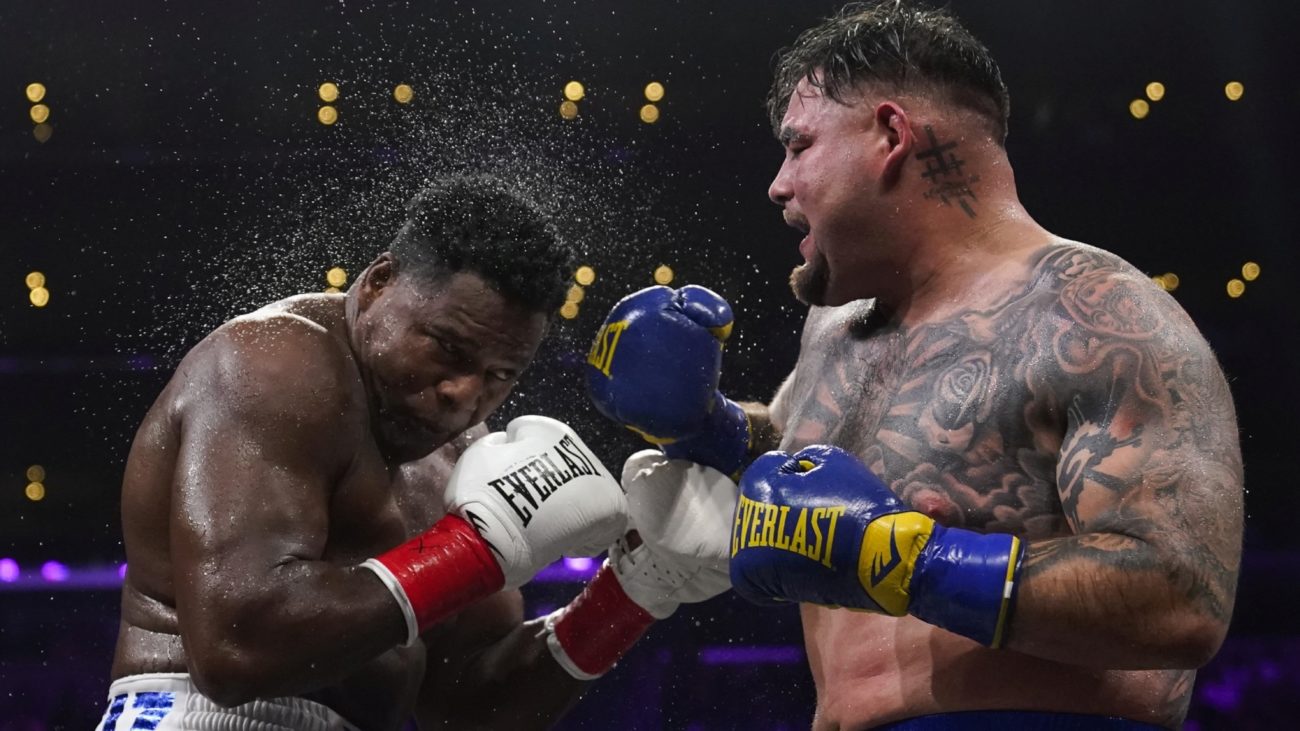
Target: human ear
(377, 277)
(897, 140)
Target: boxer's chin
(809, 280)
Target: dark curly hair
(479, 224)
(908, 48)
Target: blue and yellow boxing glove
(654, 368)
(819, 527)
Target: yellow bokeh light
(35, 92)
(327, 115)
(1171, 281)
(1250, 271)
(36, 473)
(42, 133)
(568, 109)
(654, 91)
(1155, 91)
(574, 91)
(575, 294)
(39, 296)
(1234, 90)
(403, 93)
(328, 91)
(35, 491)
(569, 310)
(585, 276)
(332, 290)
(1139, 108)
(39, 113)
(1236, 288)
(35, 279)
(649, 114)
(1159, 281)
(337, 277)
(663, 274)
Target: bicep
(254, 475)
(1151, 455)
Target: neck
(944, 260)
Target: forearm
(764, 436)
(274, 643)
(1108, 600)
(515, 683)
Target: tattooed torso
(966, 419)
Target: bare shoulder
(272, 361)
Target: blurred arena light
(1250, 271)
(654, 91)
(39, 296)
(35, 92)
(39, 113)
(575, 294)
(327, 115)
(329, 92)
(663, 274)
(1155, 91)
(54, 572)
(1234, 90)
(1139, 108)
(569, 310)
(585, 275)
(35, 279)
(1236, 288)
(568, 109)
(36, 473)
(9, 570)
(35, 491)
(336, 276)
(649, 114)
(574, 91)
(403, 93)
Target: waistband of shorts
(1019, 720)
(152, 683)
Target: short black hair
(891, 42)
(480, 224)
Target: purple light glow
(8, 570)
(578, 564)
(751, 655)
(121, 572)
(54, 572)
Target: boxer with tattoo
(1011, 453)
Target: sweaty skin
(256, 484)
(1002, 379)
(1078, 398)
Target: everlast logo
(601, 356)
(529, 485)
(810, 532)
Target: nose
(462, 391)
(780, 191)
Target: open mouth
(807, 245)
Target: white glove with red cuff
(683, 513)
(516, 501)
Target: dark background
(186, 179)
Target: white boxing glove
(683, 513)
(536, 492)
(516, 501)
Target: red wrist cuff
(443, 570)
(600, 625)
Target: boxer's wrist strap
(589, 635)
(438, 573)
(965, 582)
(723, 442)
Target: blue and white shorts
(170, 702)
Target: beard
(809, 280)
